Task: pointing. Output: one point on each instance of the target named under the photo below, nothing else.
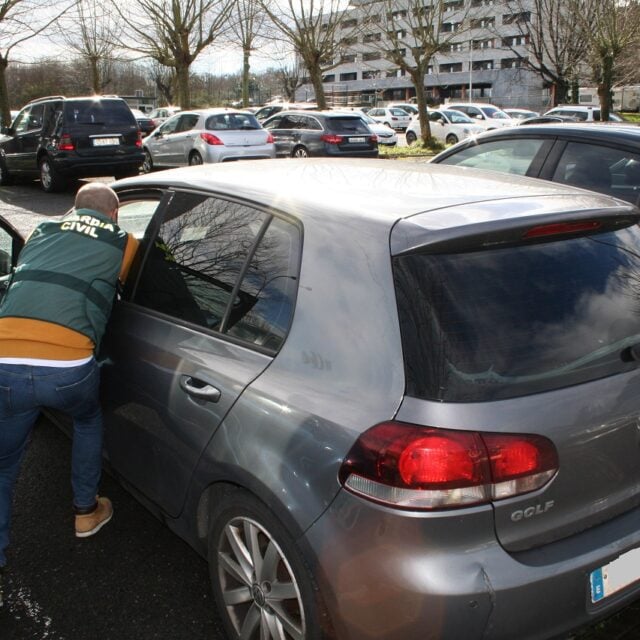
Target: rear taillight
(332, 138)
(139, 139)
(374, 139)
(560, 228)
(209, 138)
(270, 139)
(66, 143)
(415, 467)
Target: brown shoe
(89, 523)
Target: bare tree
(21, 20)
(311, 27)
(90, 31)
(611, 28)
(173, 32)
(415, 32)
(164, 81)
(248, 21)
(551, 31)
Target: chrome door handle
(199, 389)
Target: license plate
(357, 140)
(105, 142)
(616, 575)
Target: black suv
(62, 138)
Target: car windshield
(457, 117)
(348, 124)
(496, 114)
(501, 323)
(232, 122)
(106, 112)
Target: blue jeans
(24, 390)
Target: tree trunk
(318, 87)
(96, 84)
(246, 52)
(561, 92)
(604, 86)
(182, 82)
(4, 93)
(421, 103)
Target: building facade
(486, 45)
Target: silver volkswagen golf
(384, 400)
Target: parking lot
(134, 580)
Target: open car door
(11, 242)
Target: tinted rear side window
(509, 322)
(347, 125)
(105, 112)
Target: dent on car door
(189, 337)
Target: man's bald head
(99, 197)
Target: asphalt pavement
(134, 580)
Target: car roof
(621, 132)
(342, 188)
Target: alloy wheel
(260, 591)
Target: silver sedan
(207, 135)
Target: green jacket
(67, 273)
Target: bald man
(52, 318)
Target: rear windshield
(105, 112)
(348, 125)
(232, 121)
(513, 321)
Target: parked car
(161, 114)
(583, 113)
(393, 117)
(548, 119)
(410, 425)
(301, 134)
(411, 109)
(447, 125)
(521, 114)
(487, 115)
(386, 135)
(206, 135)
(276, 107)
(601, 157)
(145, 123)
(61, 139)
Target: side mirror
(479, 116)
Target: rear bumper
(226, 154)
(405, 575)
(87, 166)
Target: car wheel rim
(45, 174)
(195, 159)
(146, 165)
(301, 153)
(260, 591)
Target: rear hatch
(532, 327)
(237, 129)
(349, 133)
(100, 127)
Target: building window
(515, 18)
(372, 37)
(452, 67)
(345, 77)
(371, 55)
(349, 24)
(392, 53)
(514, 41)
(370, 75)
(513, 63)
(483, 23)
(395, 73)
(453, 5)
(450, 27)
(482, 3)
(456, 46)
(488, 43)
(422, 33)
(329, 78)
(396, 15)
(347, 42)
(482, 65)
(430, 70)
(348, 57)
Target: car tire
(411, 137)
(451, 139)
(300, 152)
(243, 530)
(5, 176)
(147, 163)
(387, 124)
(195, 159)
(50, 179)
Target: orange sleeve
(129, 254)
